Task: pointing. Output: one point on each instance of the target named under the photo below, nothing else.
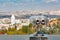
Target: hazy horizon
(16, 5)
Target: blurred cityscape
(15, 23)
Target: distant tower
(13, 19)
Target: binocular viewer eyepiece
(40, 22)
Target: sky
(15, 5)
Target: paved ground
(25, 37)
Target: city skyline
(15, 5)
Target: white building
(25, 22)
(17, 21)
(4, 26)
(13, 19)
(6, 21)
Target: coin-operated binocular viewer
(38, 21)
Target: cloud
(48, 1)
